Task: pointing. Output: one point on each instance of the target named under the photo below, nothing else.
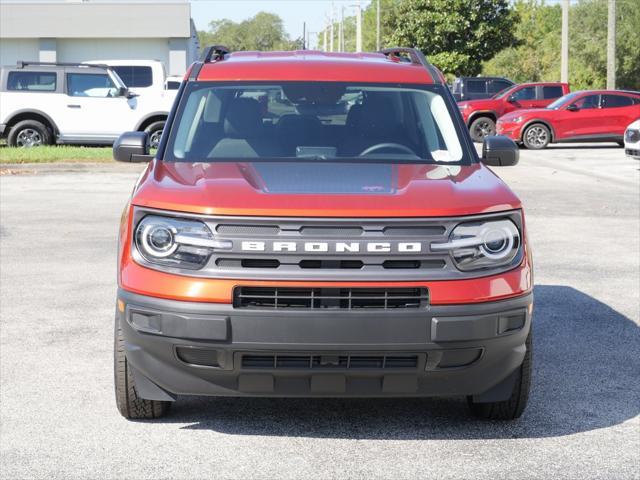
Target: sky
(293, 12)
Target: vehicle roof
(127, 63)
(484, 78)
(40, 68)
(601, 92)
(310, 65)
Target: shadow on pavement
(585, 378)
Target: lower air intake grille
(329, 298)
(336, 362)
(198, 356)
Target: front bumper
(511, 130)
(443, 350)
(3, 127)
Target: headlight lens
(482, 245)
(515, 120)
(176, 242)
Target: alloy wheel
(28, 138)
(537, 137)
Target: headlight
(176, 242)
(515, 120)
(481, 245)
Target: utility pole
(564, 49)
(304, 35)
(378, 26)
(324, 35)
(611, 46)
(358, 27)
(341, 31)
(331, 30)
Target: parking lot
(57, 412)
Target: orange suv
(320, 225)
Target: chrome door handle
(73, 106)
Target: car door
(618, 111)
(524, 97)
(579, 118)
(96, 111)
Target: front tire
(482, 127)
(513, 407)
(29, 134)
(155, 133)
(129, 404)
(536, 136)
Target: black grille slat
(248, 230)
(329, 298)
(284, 361)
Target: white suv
(45, 103)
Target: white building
(75, 31)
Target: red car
(586, 116)
(481, 115)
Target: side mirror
(132, 147)
(511, 99)
(500, 151)
(572, 108)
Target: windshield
(561, 101)
(313, 120)
(503, 92)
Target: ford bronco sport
(45, 103)
(320, 225)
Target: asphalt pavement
(57, 412)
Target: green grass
(60, 153)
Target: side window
(32, 81)
(587, 102)
(135, 76)
(614, 101)
(498, 85)
(476, 86)
(549, 92)
(90, 85)
(527, 93)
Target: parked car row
(82, 103)
(537, 114)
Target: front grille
(198, 356)
(632, 135)
(329, 298)
(331, 362)
(632, 153)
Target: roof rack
(416, 57)
(24, 63)
(214, 53)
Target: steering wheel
(380, 146)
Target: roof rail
(214, 53)
(24, 63)
(417, 58)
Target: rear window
(317, 121)
(135, 76)
(613, 101)
(32, 81)
(551, 92)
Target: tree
(537, 56)
(456, 35)
(264, 31)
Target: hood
(322, 189)
(527, 112)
